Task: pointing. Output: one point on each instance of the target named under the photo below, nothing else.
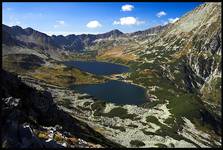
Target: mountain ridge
(69, 42)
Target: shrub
(98, 107)
(137, 143)
(120, 112)
(119, 128)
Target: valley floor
(130, 125)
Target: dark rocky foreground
(30, 118)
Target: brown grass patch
(117, 52)
(63, 76)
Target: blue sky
(92, 17)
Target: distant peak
(28, 28)
(16, 27)
(116, 31)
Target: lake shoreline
(115, 89)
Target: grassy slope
(55, 73)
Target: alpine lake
(114, 91)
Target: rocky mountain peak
(112, 33)
(29, 30)
(116, 31)
(201, 17)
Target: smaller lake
(98, 68)
(114, 91)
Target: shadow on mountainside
(23, 104)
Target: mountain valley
(178, 65)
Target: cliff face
(190, 51)
(201, 32)
(30, 118)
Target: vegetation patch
(84, 108)
(21, 63)
(62, 76)
(213, 94)
(119, 128)
(161, 145)
(133, 125)
(98, 107)
(66, 103)
(152, 119)
(86, 103)
(121, 113)
(55, 74)
(137, 143)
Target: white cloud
(128, 21)
(171, 20)
(160, 14)
(59, 23)
(93, 24)
(127, 7)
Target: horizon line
(47, 33)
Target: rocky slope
(188, 53)
(30, 118)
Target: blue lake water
(112, 91)
(98, 68)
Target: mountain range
(179, 64)
(31, 38)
